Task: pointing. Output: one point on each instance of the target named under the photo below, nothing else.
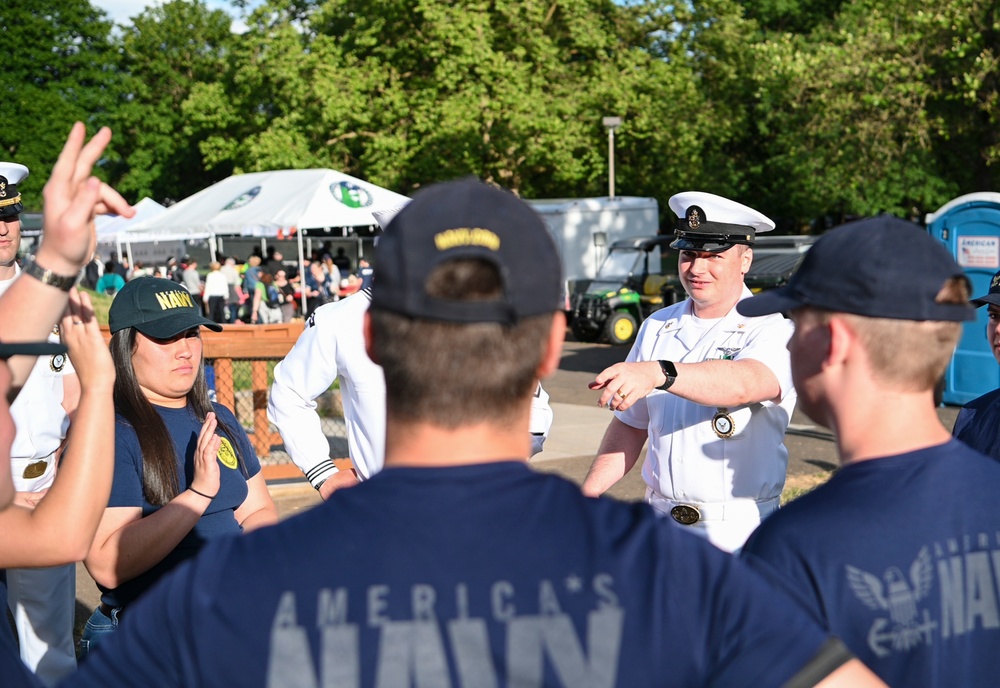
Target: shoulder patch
(227, 455)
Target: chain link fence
(242, 385)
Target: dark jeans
(99, 625)
(217, 309)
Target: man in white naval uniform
(332, 346)
(42, 600)
(710, 389)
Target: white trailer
(584, 228)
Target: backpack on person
(273, 296)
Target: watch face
(669, 372)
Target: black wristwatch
(46, 276)
(670, 372)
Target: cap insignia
(694, 217)
(174, 299)
(3, 187)
(995, 281)
(466, 236)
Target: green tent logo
(351, 195)
(242, 199)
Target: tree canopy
(810, 110)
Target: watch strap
(670, 372)
(46, 276)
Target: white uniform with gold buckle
(728, 463)
(43, 600)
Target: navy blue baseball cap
(993, 296)
(882, 267)
(467, 219)
(157, 307)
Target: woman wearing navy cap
(185, 471)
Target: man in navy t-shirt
(978, 423)
(458, 565)
(899, 552)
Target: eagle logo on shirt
(898, 595)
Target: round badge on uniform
(57, 362)
(226, 454)
(722, 423)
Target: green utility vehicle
(639, 276)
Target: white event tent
(271, 204)
(112, 229)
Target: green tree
(170, 49)
(845, 116)
(59, 67)
(792, 16)
(406, 93)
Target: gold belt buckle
(35, 469)
(685, 514)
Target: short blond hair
(909, 355)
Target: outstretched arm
(710, 383)
(61, 527)
(72, 199)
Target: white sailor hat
(711, 223)
(11, 174)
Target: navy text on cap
(467, 219)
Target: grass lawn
(798, 485)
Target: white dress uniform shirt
(734, 481)
(331, 346)
(43, 600)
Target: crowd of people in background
(263, 289)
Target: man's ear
(842, 340)
(369, 338)
(553, 346)
(746, 260)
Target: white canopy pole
(302, 271)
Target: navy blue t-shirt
(483, 575)
(901, 556)
(218, 519)
(978, 424)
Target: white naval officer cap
(11, 174)
(706, 222)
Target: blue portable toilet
(969, 227)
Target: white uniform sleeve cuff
(318, 474)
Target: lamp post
(611, 123)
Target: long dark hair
(159, 461)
